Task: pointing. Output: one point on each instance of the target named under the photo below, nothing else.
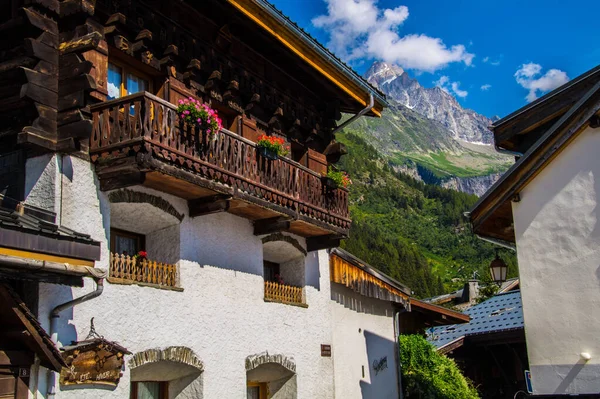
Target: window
(123, 81)
(126, 243)
(271, 271)
(149, 390)
(256, 390)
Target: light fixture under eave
(498, 269)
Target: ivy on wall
(426, 374)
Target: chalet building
(369, 311)
(163, 259)
(546, 206)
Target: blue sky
(520, 49)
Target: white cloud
(486, 87)
(494, 62)
(529, 77)
(358, 28)
(449, 87)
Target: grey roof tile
(500, 313)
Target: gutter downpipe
(358, 115)
(54, 316)
(397, 354)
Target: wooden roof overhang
(33, 247)
(438, 315)
(20, 330)
(491, 216)
(312, 53)
(522, 128)
(348, 270)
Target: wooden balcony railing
(129, 270)
(284, 293)
(145, 123)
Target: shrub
(426, 374)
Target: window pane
(253, 392)
(114, 81)
(135, 84)
(125, 245)
(148, 390)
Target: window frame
(262, 388)
(125, 70)
(163, 389)
(141, 239)
(271, 265)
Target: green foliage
(426, 374)
(339, 177)
(413, 231)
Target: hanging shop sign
(93, 362)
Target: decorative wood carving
(126, 126)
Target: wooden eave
(438, 314)
(492, 214)
(21, 330)
(307, 49)
(539, 115)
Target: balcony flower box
(271, 147)
(334, 179)
(204, 118)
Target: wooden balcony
(139, 140)
(283, 293)
(126, 269)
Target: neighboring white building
(547, 205)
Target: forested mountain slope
(413, 231)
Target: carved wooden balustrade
(145, 123)
(130, 270)
(283, 293)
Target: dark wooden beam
(322, 242)
(595, 121)
(205, 206)
(122, 180)
(271, 225)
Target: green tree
(426, 374)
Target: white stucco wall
(363, 333)
(42, 182)
(558, 248)
(221, 314)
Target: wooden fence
(283, 293)
(139, 270)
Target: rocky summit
(433, 103)
(427, 134)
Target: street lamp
(498, 269)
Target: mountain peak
(433, 103)
(381, 73)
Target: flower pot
(267, 153)
(329, 183)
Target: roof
(26, 228)
(496, 201)
(313, 52)
(502, 312)
(16, 316)
(347, 256)
(442, 314)
(547, 97)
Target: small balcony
(125, 269)
(138, 139)
(283, 293)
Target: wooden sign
(96, 362)
(326, 350)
